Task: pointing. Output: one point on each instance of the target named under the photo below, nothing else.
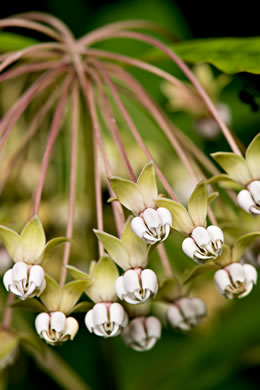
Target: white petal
(167, 230)
(215, 233)
(126, 335)
(165, 216)
(222, 280)
(117, 313)
(138, 226)
(36, 275)
(42, 322)
(199, 307)
(254, 188)
(115, 332)
(201, 236)
(249, 288)
(58, 321)
(89, 321)
(120, 287)
(250, 272)
(254, 210)
(100, 314)
(71, 327)
(147, 237)
(151, 218)
(187, 308)
(137, 330)
(8, 279)
(236, 272)
(20, 271)
(131, 281)
(149, 280)
(174, 316)
(245, 200)
(153, 327)
(189, 247)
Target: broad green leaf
(253, 157)
(52, 244)
(147, 183)
(136, 248)
(225, 181)
(78, 274)
(212, 196)
(11, 240)
(128, 193)
(32, 239)
(225, 257)
(115, 248)
(198, 204)
(234, 165)
(105, 276)
(29, 304)
(13, 42)
(181, 220)
(82, 307)
(71, 293)
(242, 244)
(51, 295)
(199, 270)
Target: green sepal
(78, 274)
(70, 295)
(147, 184)
(242, 244)
(82, 307)
(225, 181)
(139, 310)
(51, 295)
(8, 344)
(198, 271)
(169, 290)
(115, 248)
(10, 239)
(159, 310)
(102, 289)
(225, 258)
(181, 220)
(52, 244)
(32, 241)
(128, 193)
(198, 204)
(213, 196)
(235, 166)
(253, 157)
(29, 304)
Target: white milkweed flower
(106, 319)
(249, 200)
(25, 281)
(186, 313)
(204, 243)
(142, 333)
(55, 328)
(235, 280)
(152, 225)
(136, 285)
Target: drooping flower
(235, 280)
(142, 333)
(244, 172)
(204, 243)
(55, 328)
(186, 313)
(150, 223)
(138, 283)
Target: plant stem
(7, 317)
(73, 180)
(55, 127)
(164, 260)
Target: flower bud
(186, 313)
(136, 285)
(55, 328)
(204, 244)
(142, 333)
(249, 200)
(235, 280)
(106, 319)
(153, 226)
(24, 280)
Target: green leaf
(29, 304)
(136, 248)
(128, 193)
(199, 270)
(51, 295)
(115, 248)
(147, 183)
(234, 165)
(11, 240)
(71, 293)
(213, 196)
(32, 240)
(181, 220)
(13, 42)
(52, 244)
(198, 204)
(242, 244)
(253, 157)
(105, 276)
(78, 274)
